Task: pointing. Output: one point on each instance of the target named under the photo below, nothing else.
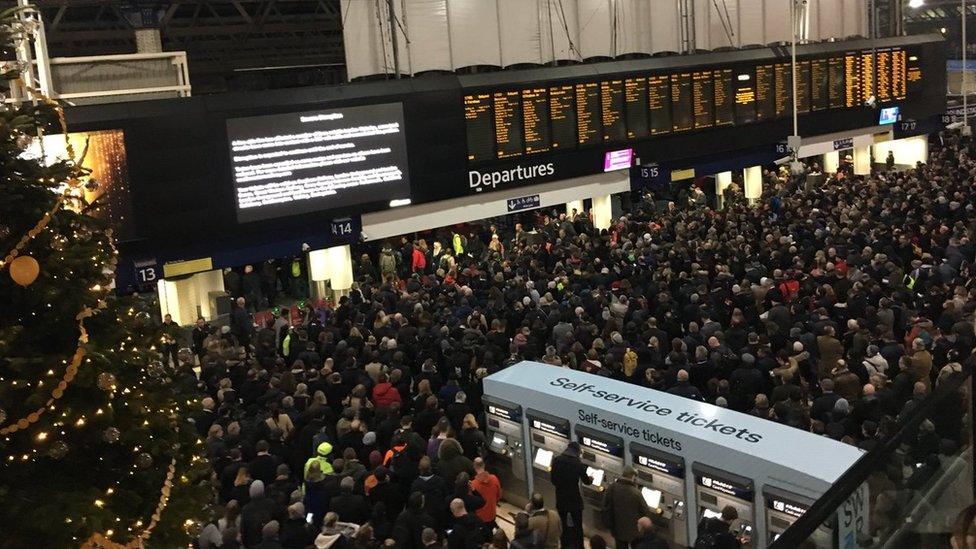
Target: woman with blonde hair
(242, 485)
(471, 438)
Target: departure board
(535, 113)
(722, 80)
(899, 74)
(588, 115)
(612, 101)
(867, 76)
(533, 119)
(803, 87)
(836, 69)
(745, 97)
(508, 124)
(882, 75)
(784, 89)
(681, 103)
(635, 105)
(852, 80)
(480, 127)
(703, 99)
(819, 85)
(765, 100)
(913, 75)
(562, 113)
(659, 104)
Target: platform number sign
(346, 229)
(852, 519)
(147, 271)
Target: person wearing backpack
(623, 505)
(714, 533)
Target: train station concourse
(487, 274)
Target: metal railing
(117, 78)
(919, 478)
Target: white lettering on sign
(852, 518)
(479, 180)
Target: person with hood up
(387, 263)
(321, 456)
(451, 461)
(384, 393)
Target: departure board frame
(700, 96)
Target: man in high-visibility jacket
(321, 456)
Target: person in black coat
(685, 389)
(387, 492)
(296, 532)
(435, 490)
(717, 530)
(648, 537)
(259, 511)
(349, 506)
(467, 532)
(264, 466)
(567, 473)
(410, 524)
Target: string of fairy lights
(24, 269)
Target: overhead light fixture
(916, 3)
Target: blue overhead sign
(524, 203)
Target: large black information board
(287, 164)
(606, 111)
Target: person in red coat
(384, 393)
(418, 260)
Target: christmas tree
(95, 448)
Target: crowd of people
(834, 310)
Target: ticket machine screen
(543, 458)
(498, 443)
(652, 497)
(596, 475)
(708, 513)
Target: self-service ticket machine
(715, 488)
(603, 455)
(505, 448)
(549, 436)
(661, 477)
(783, 509)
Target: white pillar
(574, 205)
(186, 298)
(862, 160)
(722, 181)
(752, 180)
(332, 264)
(831, 162)
(602, 216)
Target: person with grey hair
(258, 512)
(296, 531)
(467, 532)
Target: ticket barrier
(783, 509)
(661, 477)
(715, 489)
(549, 436)
(505, 448)
(603, 455)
